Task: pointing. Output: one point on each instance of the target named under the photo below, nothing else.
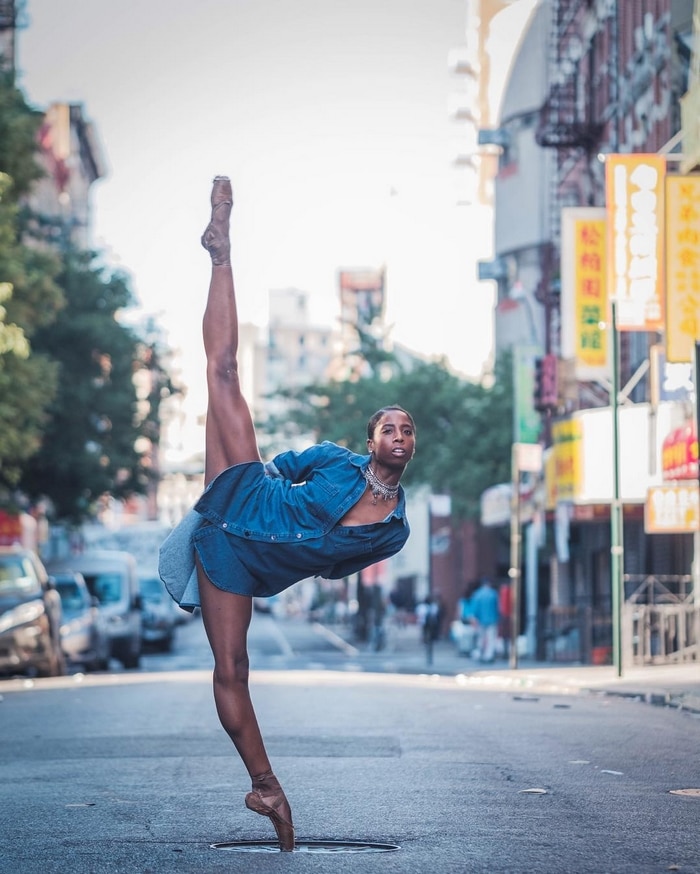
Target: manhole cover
(306, 847)
(695, 793)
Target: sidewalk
(662, 685)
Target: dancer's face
(393, 441)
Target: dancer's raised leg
(230, 434)
(230, 439)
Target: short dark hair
(374, 419)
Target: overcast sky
(331, 118)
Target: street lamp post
(514, 572)
(438, 505)
(616, 517)
(696, 535)
(525, 458)
(427, 636)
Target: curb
(678, 701)
(536, 678)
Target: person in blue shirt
(258, 528)
(484, 610)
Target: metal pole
(696, 534)
(427, 629)
(616, 519)
(514, 572)
(614, 79)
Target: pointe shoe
(215, 238)
(273, 803)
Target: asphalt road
(131, 772)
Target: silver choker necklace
(378, 488)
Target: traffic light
(537, 390)
(545, 389)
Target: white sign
(528, 457)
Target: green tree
(29, 296)
(30, 299)
(19, 127)
(89, 446)
(154, 359)
(70, 418)
(464, 429)
(27, 384)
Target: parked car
(84, 636)
(111, 577)
(160, 614)
(30, 616)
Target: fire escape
(566, 117)
(568, 120)
(568, 125)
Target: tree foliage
(89, 445)
(70, 417)
(30, 297)
(154, 358)
(19, 126)
(464, 429)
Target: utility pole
(696, 401)
(525, 458)
(515, 556)
(616, 516)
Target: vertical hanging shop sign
(682, 267)
(567, 438)
(634, 187)
(527, 424)
(584, 294)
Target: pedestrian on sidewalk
(505, 607)
(428, 617)
(257, 529)
(484, 607)
(464, 626)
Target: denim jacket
(312, 491)
(297, 498)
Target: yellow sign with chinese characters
(567, 437)
(682, 267)
(591, 299)
(584, 294)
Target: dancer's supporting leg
(230, 439)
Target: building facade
(591, 81)
(72, 159)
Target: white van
(111, 577)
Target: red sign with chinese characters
(679, 454)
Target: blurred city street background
(487, 211)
